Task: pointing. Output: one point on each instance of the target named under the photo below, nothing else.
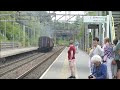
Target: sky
(67, 16)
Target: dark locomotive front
(45, 44)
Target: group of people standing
(104, 60)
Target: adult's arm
(104, 73)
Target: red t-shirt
(70, 56)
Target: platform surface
(59, 69)
(15, 51)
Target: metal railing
(8, 45)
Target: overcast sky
(67, 16)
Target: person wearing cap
(99, 68)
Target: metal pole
(100, 30)
(5, 30)
(110, 21)
(84, 38)
(13, 34)
(87, 36)
(0, 40)
(100, 34)
(28, 36)
(107, 35)
(92, 37)
(24, 35)
(65, 19)
(55, 29)
(19, 33)
(31, 37)
(68, 24)
(34, 37)
(31, 33)
(69, 17)
(103, 26)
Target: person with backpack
(108, 56)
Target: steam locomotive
(45, 44)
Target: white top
(96, 51)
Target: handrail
(5, 45)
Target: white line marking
(64, 70)
(76, 72)
(50, 65)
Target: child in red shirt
(71, 59)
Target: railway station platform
(59, 69)
(15, 51)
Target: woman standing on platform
(108, 56)
(71, 58)
(117, 58)
(114, 65)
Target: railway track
(11, 59)
(15, 60)
(23, 68)
(36, 72)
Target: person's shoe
(114, 77)
(72, 77)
